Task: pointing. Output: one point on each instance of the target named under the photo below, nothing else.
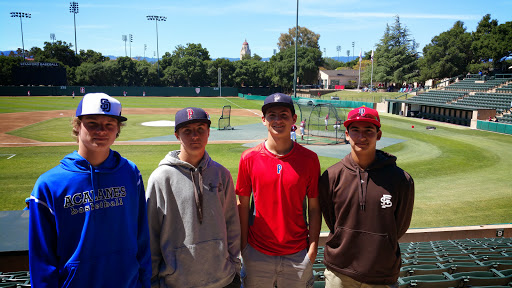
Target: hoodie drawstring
(362, 191)
(198, 194)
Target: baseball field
(462, 176)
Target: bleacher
(485, 262)
(439, 96)
(506, 118)
(499, 101)
(471, 92)
(476, 85)
(15, 279)
(452, 263)
(505, 89)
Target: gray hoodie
(193, 224)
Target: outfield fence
(494, 127)
(132, 91)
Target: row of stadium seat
(506, 118)
(483, 262)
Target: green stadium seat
(481, 278)
(430, 281)
(457, 267)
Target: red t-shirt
(280, 185)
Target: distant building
(331, 78)
(245, 50)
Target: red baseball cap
(363, 114)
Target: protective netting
(225, 118)
(323, 123)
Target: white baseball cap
(100, 104)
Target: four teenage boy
(89, 215)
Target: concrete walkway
(256, 133)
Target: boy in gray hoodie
(192, 213)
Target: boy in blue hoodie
(88, 221)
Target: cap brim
(372, 121)
(120, 118)
(274, 104)
(192, 121)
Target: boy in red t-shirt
(277, 246)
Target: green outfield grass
(462, 176)
(351, 95)
(27, 104)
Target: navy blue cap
(190, 115)
(278, 99)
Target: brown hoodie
(367, 211)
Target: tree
(331, 64)
(492, 42)
(306, 38)
(395, 58)
(127, 74)
(58, 51)
(251, 73)
(482, 45)
(253, 57)
(91, 56)
(186, 66)
(186, 71)
(282, 66)
(227, 70)
(447, 55)
(191, 50)
(7, 63)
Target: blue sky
(222, 26)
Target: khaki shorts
(287, 271)
(337, 280)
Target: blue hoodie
(88, 225)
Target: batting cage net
(225, 119)
(324, 123)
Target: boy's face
(193, 136)
(279, 120)
(97, 132)
(363, 136)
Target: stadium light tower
(353, 55)
(338, 48)
(157, 18)
(131, 40)
(52, 36)
(125, 39)
(73, 8)
(21, 15)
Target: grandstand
(485, 262)
(470, 262)
(463, 102)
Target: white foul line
(240, 106)
(10, 155)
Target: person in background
(302, 128)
